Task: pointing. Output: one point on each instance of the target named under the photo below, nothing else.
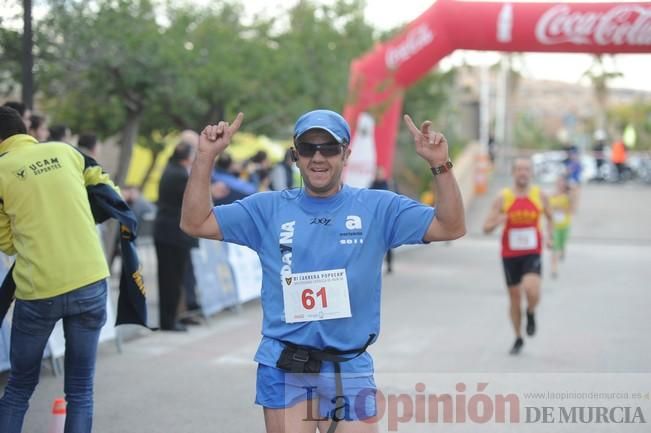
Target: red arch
(378, 78)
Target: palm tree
(599, 79)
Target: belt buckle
(301, 355)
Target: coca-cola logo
(416, 40)
(621, 25)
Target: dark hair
(35, 121)
(57, 132)
(87, 141)
(18, 106)
(224, 161)
(259, 156)
(182, 151)
(10, 123)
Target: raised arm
(197, 218)
(450, 217)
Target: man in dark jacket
(172, 245)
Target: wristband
(442, 168)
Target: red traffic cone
(58, 420)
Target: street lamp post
(28, 59)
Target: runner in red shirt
(520, 209)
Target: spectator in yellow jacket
(60, 271)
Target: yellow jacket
(45, 217)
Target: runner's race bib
(559, 216)
(320, 295)
(523, 239)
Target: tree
(10, 53)
(145, 68)
(599, 78)
(219, 64)
(427, 99)
(106, 63)
(309, 62)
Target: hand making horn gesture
(430, 145)
(215, 138)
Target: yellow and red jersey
(522, 234)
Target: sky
(386, 14)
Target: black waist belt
(303, 359)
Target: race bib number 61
(320, 295)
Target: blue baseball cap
(327, 120)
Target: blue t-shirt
(294, 232)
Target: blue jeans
(84, 313)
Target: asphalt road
(444, 322)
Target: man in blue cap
(321, 248)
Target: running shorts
(516, 267)
(279, 389)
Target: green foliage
(157, 66)
(308, 63)
(103, 62)
(200, 65)
(10, 53)
(215, 64)
(427, 99)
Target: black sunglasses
(307, 150)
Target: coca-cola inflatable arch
(378, 79)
